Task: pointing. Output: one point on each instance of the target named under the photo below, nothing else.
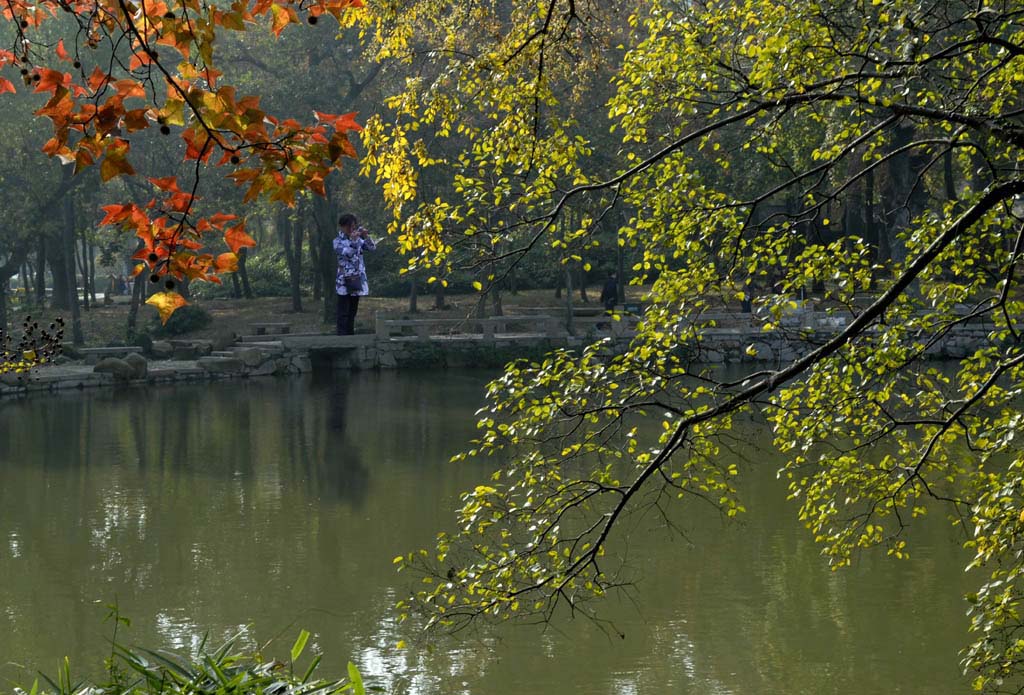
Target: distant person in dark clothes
(609, 296)
(610, 292)
(351, 282)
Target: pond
(267, 506)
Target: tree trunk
(583, 286)
(947, 175)
(243, 273)
(620, 266)
(92, 274)
(41, 271)
(82, 261)
(325, 216)
(413, 309)
(236, 286)
(26, 283)
(69, 266)
(895, 212)
(138, 296)
(496, 308)
(287, 230)
(314, 253)
(56, 258)
(439, 304)
(870, 223)
(569, 323)
(3, 304)
(480, 311)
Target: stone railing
(494, 328)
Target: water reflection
(250, 507)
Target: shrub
(268, 275)
(188, 318)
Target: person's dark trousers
(347, 307)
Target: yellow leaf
(166, 303)
(477, 286)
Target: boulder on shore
(138, 364)
(121, 370)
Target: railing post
(383, 330)
(488, 330)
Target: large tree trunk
(325, 215)
(6, 271)
(439, 303)
(905, 195)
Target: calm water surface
(269, 506)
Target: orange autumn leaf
(167, 183)
(226, 263)
(342, 123)
(6, 86)
(135, 120)
(235, 237)
(166, 303)
(281, 17)
(50, 80)
(219, 219)
(116, 213)
(113, 166)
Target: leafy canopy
(753, 148)
(112, 69)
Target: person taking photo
(351, 283)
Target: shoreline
(295, 354)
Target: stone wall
(299, 354)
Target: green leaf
(299, 645)
(357, 680)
